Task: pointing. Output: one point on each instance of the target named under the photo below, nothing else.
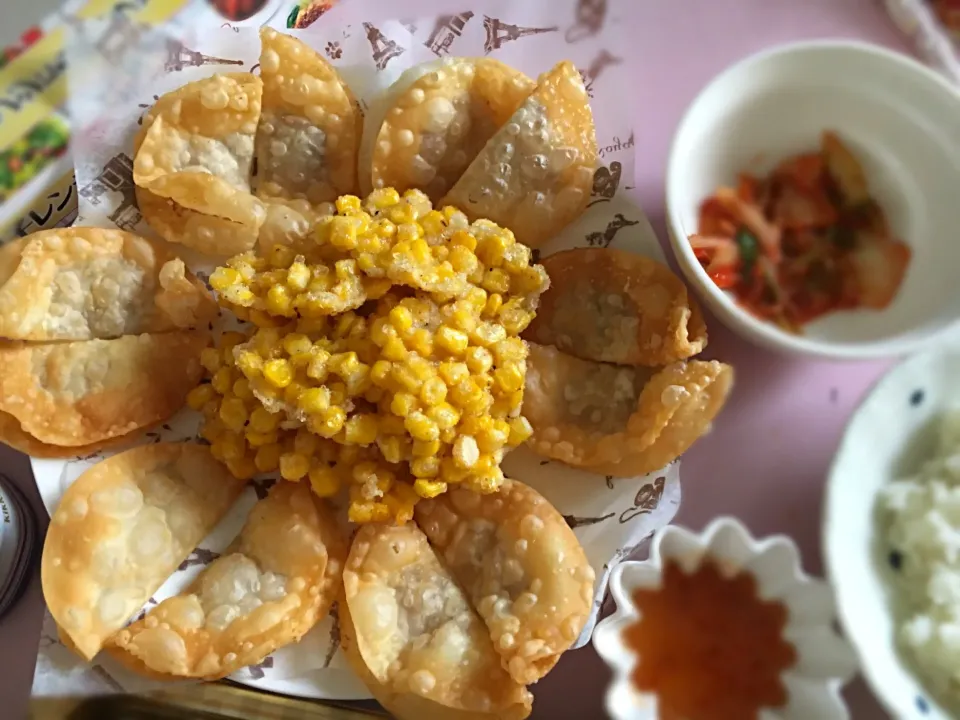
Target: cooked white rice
(920, 518)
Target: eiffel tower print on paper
(179, 56)
(600, 63)
(499, 32)
(590, 15)
(384, 49)
(447, 29)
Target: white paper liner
(117, 69)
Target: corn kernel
(324, 481)
(450, 473)
(466, 453)
(508, 378)
(392, 448)
(479, 360)
(361, 429)
(329, 422)
(520, 430)
(233, 413)
(267, 458)
(453, 373)
(394, 350)
(249, 363)
(369, 512)
(401, 318)
(403, 404)
(421, 427)
(305, 443)
(444, 415)
(494, 302)
(464, 239)
(425, 467)
(210, 359)
(425, 448)
(222, 380)
(296, 343)
(223, 278)
(293, 466)
(488, 334)
(462, 259)
(242, 468)
(259, 439)
(429, 488)
(317, 367)
(433, 391)
(298, 275)
(241, 389)
(231, 445)
(262, 420)
(453, 341)
(421, 342)
(405, 379)
(279, 301)
(348, 205)
(281, 256)
(200, 396)
(380, 373)
(278, 373)
(314, 400)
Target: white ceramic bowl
(903, 122)
(888, 436)
(824, 661)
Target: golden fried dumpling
(615, 419)
(122, 528)
(84, 283)
(277, 580)
(441, 116)
(12, 434)
(414, 629)
(309, 133)
(196, 150)
(535, 175)
(613, 306)
(521, 566)
(409, 705)
(74, 394)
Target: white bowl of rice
(892, 535)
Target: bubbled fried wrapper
(116, 70)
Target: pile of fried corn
(382, 352)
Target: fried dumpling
(408, 705)
(442, 115)
(415, 631)
(12, 434)
(535, 175)
(309, 133)
(84, 283)
(618, 307)
(122, 528)
(277, 580)
(208, 234)
(196, 148)
(521, 566)
(77, 393)
(610, 419)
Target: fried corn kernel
(419, 388)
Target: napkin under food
(116, 73)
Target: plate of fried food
(327, 453)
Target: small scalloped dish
(823, 660)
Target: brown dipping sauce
(709, 648)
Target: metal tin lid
(18, 542)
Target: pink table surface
(766, 459)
